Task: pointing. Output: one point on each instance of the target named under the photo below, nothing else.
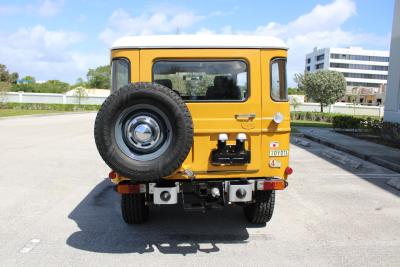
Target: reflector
(128, 188)
(288, 170)
(113, 175)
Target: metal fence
(343, 108)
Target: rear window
(204, 80)
(119, 73)
(278, 80)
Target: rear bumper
(260, 184)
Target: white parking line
(30, 245)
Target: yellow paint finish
(133, 56)
(213, 118)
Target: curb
(378, 161)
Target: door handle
(249, 116)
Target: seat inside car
(165, 82)
(224, 88)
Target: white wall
(51, 98)
(392, 102)
(341, 108)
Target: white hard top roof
(199, 41)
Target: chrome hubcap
(143, 132)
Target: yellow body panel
(213, 118)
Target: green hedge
(352, 122)
(387, 130)
(57, 107)
(312, 116)
(325, 117)
(51, 86)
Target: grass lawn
(311, 123)
(19, 112)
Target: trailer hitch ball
(215, 192)
(241, 193)
(165, 196)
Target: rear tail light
(273, 184)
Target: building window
(319, 66)
(362, 84)
(320, 57)
(358, 66)
(365, 76)
(308, 60)
(360, 57)
(308, 68)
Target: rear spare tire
(144, 131)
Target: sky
(61, 39)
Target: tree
(325, 86)
(4, 88)
(99, 77)
(5, 76)
(80, 93)
(30, 79)
(295, 103)
(295, 91)
(14, 77)
(80, 83)
(51, 86)
(3, 73)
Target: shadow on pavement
(368, 171)
(170, 229)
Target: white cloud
(47, 54)
(321, 18)
(45, 8)
(321, 27)
(49, 8)
(9, 9)
(122, 23)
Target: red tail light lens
(288, 170)
(112, 175)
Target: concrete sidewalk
(379, 154)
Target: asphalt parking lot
(56, 209)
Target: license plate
(279, 153)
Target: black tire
(115, 131)
(261, 211)
(134, 209)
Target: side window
(119, 73)
(278, 80)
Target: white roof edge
(199, 41)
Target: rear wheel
(261, 211)
(134, 208)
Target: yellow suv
(200, 121)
